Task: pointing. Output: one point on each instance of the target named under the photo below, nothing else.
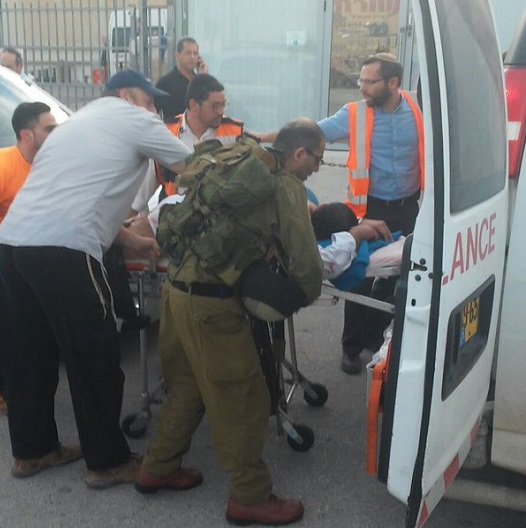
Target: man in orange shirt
(32, 123)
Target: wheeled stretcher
(284, 377)
(281, 372)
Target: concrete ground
(330, 478)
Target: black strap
(396, 203)
(220, 291)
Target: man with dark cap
(68, 213)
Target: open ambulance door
(448, 304)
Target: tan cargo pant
(210, 363)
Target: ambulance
(456, 366)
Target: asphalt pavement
(330, 478)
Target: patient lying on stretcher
(342, 241)
(348, 248)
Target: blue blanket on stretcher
(354, 275)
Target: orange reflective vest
(228, 129)
(361, 121)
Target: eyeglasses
(319, 159)
(216, 107)
(368, 82)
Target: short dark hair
(13, 51)
(26, 116)
(201, 86)
(332, 218)
(389, 65)
(298, 133)
(181, 42)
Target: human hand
(137, 246)
(140, 225)
(380, 227)
(370, 230)
(202, 67)
(311, 206)
(143, 247)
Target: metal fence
(72, 49)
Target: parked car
(15, 90)
(515, 77)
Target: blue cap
(134, 79)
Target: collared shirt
(394, 171)
(190, 139)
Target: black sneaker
(351, 364)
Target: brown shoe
(124, 474)
(273, 511)
(182, 479)
(63, 455)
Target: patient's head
(332, 218)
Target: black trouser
(363, 327)
(4, 328)
(115, 267)
(59, 303)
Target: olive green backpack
(225, 183)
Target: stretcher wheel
(321, 395)
(135, 425)
(304, 438)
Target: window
(470, 51)
(270, 65)
(359, 29)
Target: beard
(379, 99)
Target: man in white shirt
(70, 210)
(202, 120)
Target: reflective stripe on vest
(361, 118)
(229, 129)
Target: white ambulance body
(459, 299)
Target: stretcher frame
(271, 343)
(370, 302)
(145, 279)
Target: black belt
(221, 291)
(395, 203)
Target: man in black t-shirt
(188, 64)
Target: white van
(124, 26)
(459, 297)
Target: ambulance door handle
(419, 266)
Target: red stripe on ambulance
(438, 489)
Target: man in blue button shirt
(385, 164)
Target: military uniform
(209, 358)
